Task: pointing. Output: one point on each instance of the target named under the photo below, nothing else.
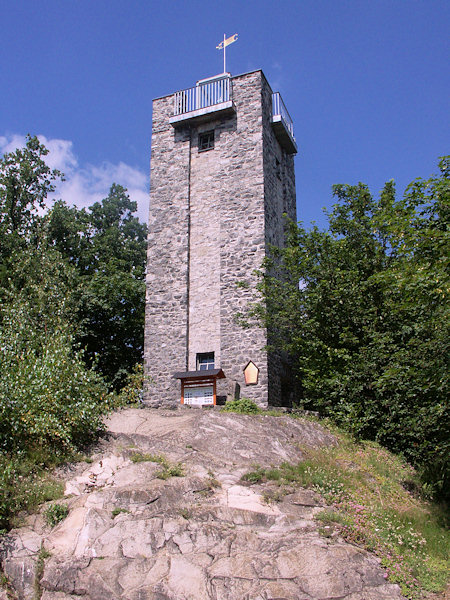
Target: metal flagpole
(226, 42)
(224, 51)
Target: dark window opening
(278, 168)
(205, 361)
(206, 141)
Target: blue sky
(366, 82)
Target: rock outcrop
(134, 532)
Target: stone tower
(222, 177)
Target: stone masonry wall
(204, 272)
(166, 309)
(280, 199)
(242, 238)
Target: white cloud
(61, 155)
(10, 143)
(86, 184)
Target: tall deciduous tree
(66, 277)
(107, 245)
(50, 402)
(25, 182)
(363, 310)
(100, 250)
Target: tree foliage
(71, 311)
(48, 397)
(106, 245)
(102, 250)
(25, 182)
(363, 310)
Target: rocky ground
(188, 528)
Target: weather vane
(226, 42)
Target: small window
(205, 361)
(206, 141)
(278, 168)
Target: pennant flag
(227, 42)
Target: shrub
(51, 404)
(55, 513)
(117, 511)
(24, 484)
(48, 397)
(131, 393)
(243, 406)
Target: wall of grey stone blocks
(204, 272)
(213, 215)
(280, 206)
(167, 270)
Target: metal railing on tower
(206, 93)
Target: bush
(24, 484)
(243, 406)
(48, 397)
(56, 513)
(132, 392)
(51, 404)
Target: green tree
(67, 277)
(107, 245)
(25, 182)
(49, 399)
(363, 310)
(50, 402)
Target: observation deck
(214, 97)
(207, 97)
(283, 125)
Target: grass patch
(273, 496)
(168, 469)
(78, 457)
(138, 457)
(55, 513)
(213, 482)
(370, 506)
(256, 476)
(42, 556)
(329, 517)
(117, 511)
(26, 481)
(5, 584)
(185, 513)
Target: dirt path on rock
(135, 531)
